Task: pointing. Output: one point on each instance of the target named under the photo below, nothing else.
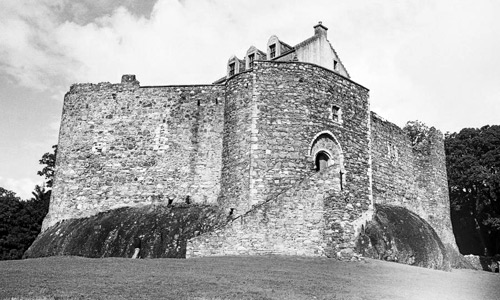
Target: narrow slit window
(341, 176)
(336, 113)
(335, 65)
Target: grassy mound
(397, 234)
(242, 278)
(163, 232)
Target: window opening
(251, 58)
(272, 51)
(231, 69)
(322, 161)
(335, 65)
(341, 175)
(336, 113)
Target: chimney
(129, 79)
(320, 29)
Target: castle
(285, 144)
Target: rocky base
(485, 263)
(397, 234)
(163, 232)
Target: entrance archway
(326, 154)
(322, 161)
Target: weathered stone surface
(291, 223)
(412, 177)
(288, 151)
(163, 231)
(125, 145)
(396, 234)
(485, 263)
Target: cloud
(415, 56)
(52, 44)
(21, 186)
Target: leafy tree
(417, 131)
(21, 221)
(473, 165)
(10, 206)
(49, 160)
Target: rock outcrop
(163, 230)
(399, 235)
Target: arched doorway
(326, 154)
(322, 161)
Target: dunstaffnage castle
(284, 146)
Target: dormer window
(336, 114)
(272, 51)
(231, 69)
(251, 59)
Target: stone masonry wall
(292, 106)
(126, 145)
(287, 209)
(292, 223)
(414, 179)
(236, 143)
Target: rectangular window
(335, 113)
(272, 51)
(251, 58)
(231, 69)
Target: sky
(433, 61)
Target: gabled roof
(253, 48)
(340, 61)
(285, 44)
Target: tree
(417, 132)
(21, 221)
(11, 246)
(49, 160)
(473, 165)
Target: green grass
(274, 277)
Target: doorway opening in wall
(322, 161)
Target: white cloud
(419, 58)
(433, 61)
(21, 186)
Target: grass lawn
(271, 277)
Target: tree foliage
(49, 160)
(21, 221)
(473, 165)
(417, 131)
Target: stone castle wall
(412, 177)
(291, 223)
(249, 146)
(236, 143)
(125, 145)
(292, 108)
(278, 116)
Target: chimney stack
(320, 29)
